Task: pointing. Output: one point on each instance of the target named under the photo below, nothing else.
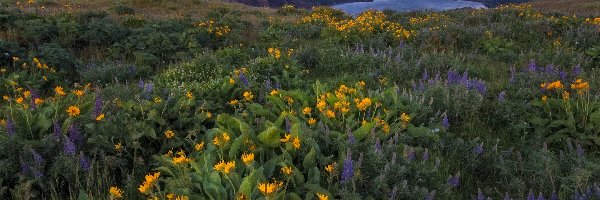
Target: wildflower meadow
(289, 103)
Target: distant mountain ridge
(311, 3)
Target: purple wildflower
(411, 154)
(347, 170)
(37, 158)
(68, 147)
(351, 138)
(377, 146)
(98, 105)
(507, 197)
(75, 135)
(445, 121)
(268, 85)
(532, 66)
(464, 80)
(576, 195)
(425, 75)
(393, 193)
(149, 88)
(553, 196)
(37, 173)
(454, 181)
(25, 168)
(562, 75)
(141, 84)
(579, 150)
(426, 154)
(502, 96)
(530, 196)
(84, 163)
(577, 70)
(480, 195)
(244, 79)
(478, 150)
(288, 125)
(430, 196)
(57, 131)
(10, 127)
(597, 190)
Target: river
(406, 5)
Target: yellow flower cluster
(580, 86)
(73, 111)
(269, 188)
(211, 27)
(181, 158)
(363, 104)
(274, 52)
(435, 17)
(287, 170)
(169, 133)
(220, 140)
(552, 85)
(115, 192)
(149, 182)
(294, 140)
(172, 196)
(594, 21)
(225, 167)
(248, 158)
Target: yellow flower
(565, 95)
(296, 143)
(231, 81)
(224, 167)
(330, 114)
(26, 93)
(73, 111)
(189, 95)
(181, 158)
(268, 188)
(287, 170)
(289, 100)
(79, 93)
(149, 182)
(19, 100)
(219, 166)
(100, 117)
(115, 192)
(405, 118)
(306, 110)
(330, 168)
(322, 196)
(311, 121)
(286, 138)
(274, 92)
(38, 101)
(321, 105)
(233, 102)
(6, 98)
(544, 99)
(118, 147)
(364, 104)
(157, 100)
(248, 96)
(551, 86)
(169, 133)
(199, 146)
(248, 158)
(220, 140)
(386, 128)
(580, 86)
(362, 83)
(208, 115)
(15, 59)
(59, 91)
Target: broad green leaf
(365, 129)
(270, 137)
(310, 159)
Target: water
(406, 5)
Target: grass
(577, 7)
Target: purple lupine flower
(532, 66)
(507, 197)
(268, 85)
(10, 127)
(577, 70)
(530, 196)
(425, 75)
(437, 78)
(588, 191)
(57, 131)
(347, 170)
(393, 193)
(454, 181)
(85, 163)
(288, 125)
(68, 147)
(351, 138)
(430, 196)
(98, 105)
(502, 96)
(244, 79)
(480, 195)
(411, 155)
(562, 75)
(141, 84)
(576, 195)
(579, 150)
(553, 196)
(445, 122)
(453, 77)
(377, 146)
(149, 88)
(75, 135)
(421, 86)
(426, 154)
(25, 168)
(37, 173)
(414, 86)
(37, 158)
(478, 150)
(597, 190)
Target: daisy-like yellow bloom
(220, 140)
(169, 133)
(208, 115)
(362, 83)
(224, 167)
(38, 101)
(553, 85)
(233, 102)
(73, 111)
(118, 147)
(199, 146)
(248, 96)
(19, 89)
(100, 117)
(6, 98)
(296, 143)
(267, 189)
(79, 93)
(386, 128)
(363, 104)
(242, 196)
(115, 192)
(287, 138)
(330, 168)
(565, 95)
(2, 122)
(307, 110)
(321, 105)
(231, 81)
(311, 121)
(219, 166)
(157, 100)
(149, 182)
(330, 114)
(289, 100)
(248, 158)
(181, 158)
(19, 100)
(405, 118)
(27, 93)
(182, 198)
(580, 86)
(322, 196)
(287, 170)
(274, 92)
(189, 95)
(544, 99)
(59, 91)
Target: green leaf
(365, 129)
(259, 110)
(82, 195)
(270, 137)
(310, 159)
(249, 182)
(235, 146)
